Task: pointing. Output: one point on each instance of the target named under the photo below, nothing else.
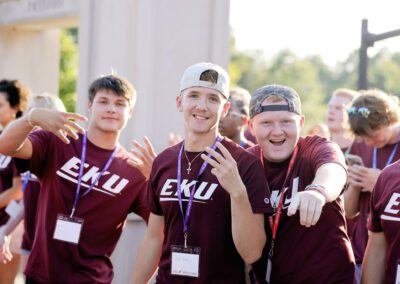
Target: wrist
(319, 188)
(238, 193)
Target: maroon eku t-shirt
(31, 199)
(210, 224)
(121, 190)
(318, 254)
(385, 217)
(359, 238)
(7, 173)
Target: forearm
(14, 136)
(332, 177)
(7, 196)
(149, 252)
(247, 228)
(373, 267)
(146, 261)
(12, 223)
(351, 202)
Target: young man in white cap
(206, 195)
(87, 186)
(306, 176)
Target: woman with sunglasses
(374, 118)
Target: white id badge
(68, 229)
(13, 209)
(185, 261)
(269, 269)
(398, 273)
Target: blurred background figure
(320, 129)
(234, 124)
(337, 119)
(14, 98)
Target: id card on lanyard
(185, 260)
(274, 222)
(68, 227)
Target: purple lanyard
(390, 159)
(186, 216)
(83, 157)
(27, 178)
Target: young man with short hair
(87, 186)
(306, 175)
(206, 195)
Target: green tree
(68, 68)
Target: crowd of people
(241, 197)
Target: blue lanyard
(390, 159)
(83, 157)
(186, 216)
(27, 178)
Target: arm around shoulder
(149, 252)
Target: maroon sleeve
(152, 199)
(323, 151)
(253, 178)
(41, 141)
(139, 205)
(16, 173)
(374, 220)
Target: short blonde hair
(47, 100)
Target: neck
(239, 138)
(105, 140)
(340, 139)
(197, 142)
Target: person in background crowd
(30, 188)
(338, 123)
(320, 129)
(306, 176)
(235, 122)
(14, 98)
(374, 118)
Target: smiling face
(277, 132)
(202, 109)
(110, 112)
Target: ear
(225, 108)
(90, 106)
(131, 112)
(245, 120)
(178, 102)
(302, 119)
(250, 124)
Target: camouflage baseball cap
(286, 93)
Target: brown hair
(115, 83)
(372, 110)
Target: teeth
(199, 117)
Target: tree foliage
(311, 77)
(68, 68)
